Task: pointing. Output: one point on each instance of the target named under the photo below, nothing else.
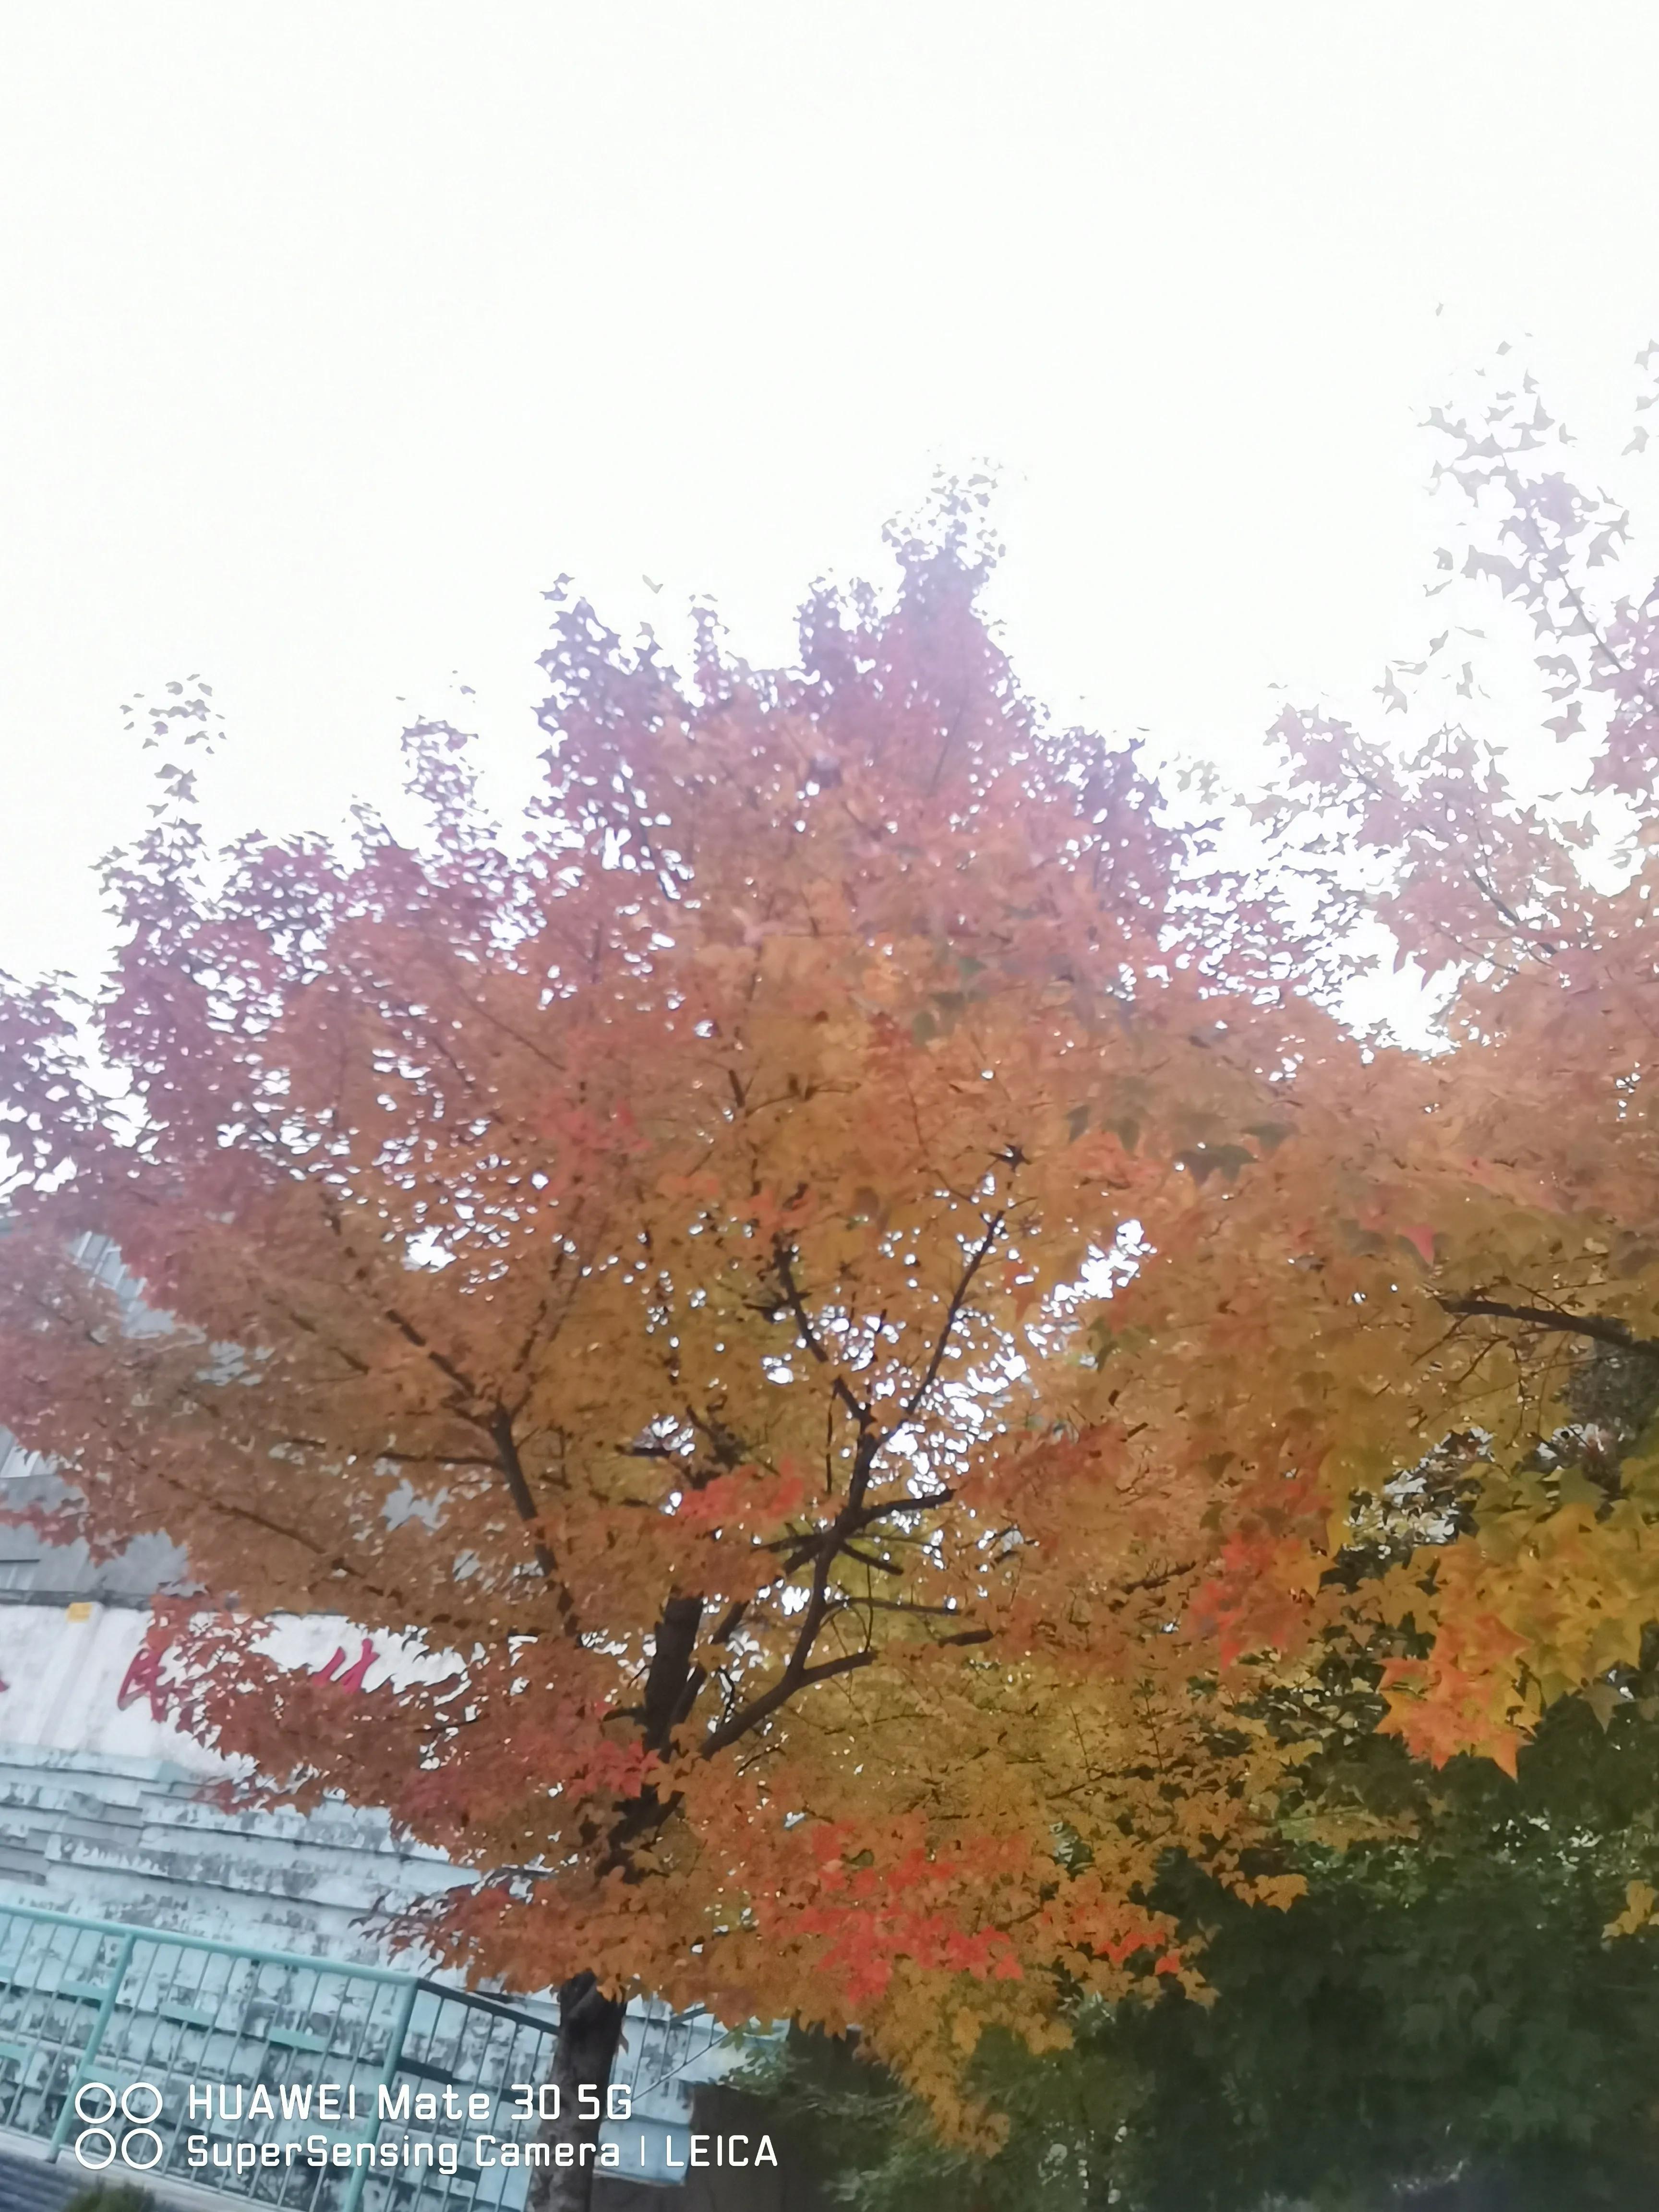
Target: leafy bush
(113, 2196)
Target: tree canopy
(860, 1285)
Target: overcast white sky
(330, 332)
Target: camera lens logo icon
(138, 2145)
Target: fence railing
(204, 2027)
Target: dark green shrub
(112, 2196)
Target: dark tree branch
(977, 1260)
(1603, 1327)
(671, 1671)
(783, 1264)
(518, 1489)
(446, 1367)
(730, 1622)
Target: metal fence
(206, 2027)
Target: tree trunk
(590, 2029)
(591, 2024)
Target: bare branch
(1603, 1327)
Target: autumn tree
(863, 1300)
(660, 1258)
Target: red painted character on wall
(143, 1676)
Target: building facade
(109, 1823)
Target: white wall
(64, 1668)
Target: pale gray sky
(330, 332)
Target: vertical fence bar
(394, 2059)
(60, 2133)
